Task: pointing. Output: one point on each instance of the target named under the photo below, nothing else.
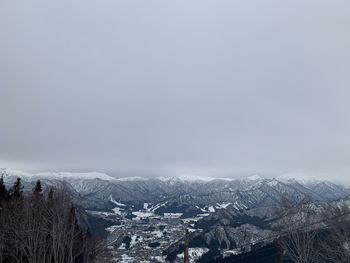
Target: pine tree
(3, 191)
(37, 190)
(17, 189)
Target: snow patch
(194, 253)
(115, 202)
(223, 205)
(142, 215)
(172, 215)
(211, 209)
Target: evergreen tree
(17, 189)
(3, 191)
(37, 190)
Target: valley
(145, 219)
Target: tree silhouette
(3, 191)
(17, 190)
(37, 190)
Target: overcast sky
(176, 87)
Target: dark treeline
(41, 227)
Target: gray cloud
(176, 87)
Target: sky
(188, 87)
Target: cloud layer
(176, 87)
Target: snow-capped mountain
(138, 213)
(94, 190)
(67, 176)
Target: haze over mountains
(187, 177)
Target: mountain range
(222, 213)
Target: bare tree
(298, 232)
(335, 241)
(37, 228)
